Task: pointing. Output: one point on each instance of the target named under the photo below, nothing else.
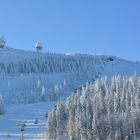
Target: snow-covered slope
(29, 77)
(10, 123)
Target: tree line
(51, 63)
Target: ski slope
(10, 123)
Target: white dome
(39, 45)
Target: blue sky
(86, 26)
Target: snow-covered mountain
(28, 77)
(31, 77)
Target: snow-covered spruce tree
(52, 123)
(61, 118)
(43, 94)
(56, 92)
(31, 97)
(100, 111)
(1, 105)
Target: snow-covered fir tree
(100, 111)
(1, 105)
(43, 94)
